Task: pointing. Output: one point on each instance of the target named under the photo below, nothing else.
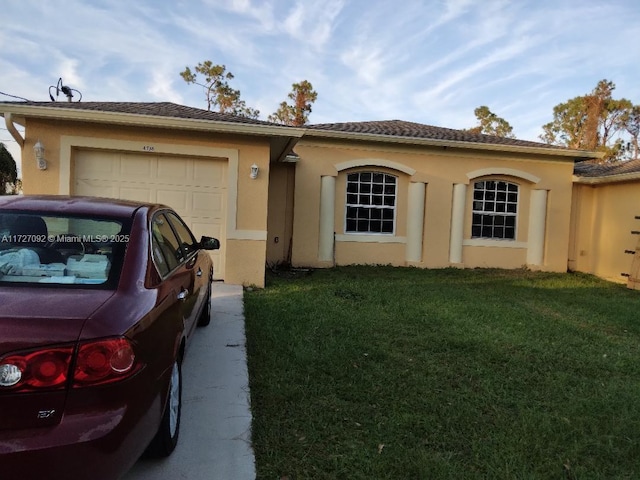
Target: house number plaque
(148, 148)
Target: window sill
(485, 242)
(369, 238)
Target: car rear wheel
(205, 316)
(166, 438)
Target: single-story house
(388, 192)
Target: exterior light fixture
(38, 149)
(254, 171)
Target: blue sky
(426, 61)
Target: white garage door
(194, 187)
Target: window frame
(368, 191)
(502, 212)
(163, 265)
(189, 245)
(176, 226)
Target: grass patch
(400, 373)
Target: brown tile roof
(388, 128)
(156, 109)
(403, 129)
(591, 168)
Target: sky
(426, 61)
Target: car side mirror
(209, 243)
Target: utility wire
(14, 96)
(7, 139)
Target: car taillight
(96, 363)
(104, 361)
(48, 368)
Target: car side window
(187, 240)
(166, 249)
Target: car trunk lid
(35, 319)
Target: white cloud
(431, 62)
(161, 87)
(452, 11)
(313, 22)
(68, 68)
(258, 11)
(365, 62)
(486, 62)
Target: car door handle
(183, 294)
(199, 272)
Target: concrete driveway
(215, 430)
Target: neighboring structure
(392, 192)
(605, 221)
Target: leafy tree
(591, 122)
(217, 89)
(632, 125)
(491, 124)
(8, 171)
(297, 114)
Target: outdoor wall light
(38, 149)
(254, 171)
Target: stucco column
(415, 222)
(327, 221)
(537, 227)
(457, 222)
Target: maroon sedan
(98, 300)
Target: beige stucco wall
(602, 219)
(439, 169)
(285, 203)
(247, 198)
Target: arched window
(371, 203)
(495, 210)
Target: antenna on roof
(64, 89)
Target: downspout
(13, 130)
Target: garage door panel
(136, 167)
(177, 199)
(194, 187)
(213, 170)
(169, 171)
(137, 194)
(200, 228)
(95, 188)
(98, 168)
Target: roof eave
(118, 118)
(622, 177)
(433, 142)
(218, 126)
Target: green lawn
(402, 373)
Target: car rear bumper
(96, 443)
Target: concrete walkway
(215, 430)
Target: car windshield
(63, 250)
